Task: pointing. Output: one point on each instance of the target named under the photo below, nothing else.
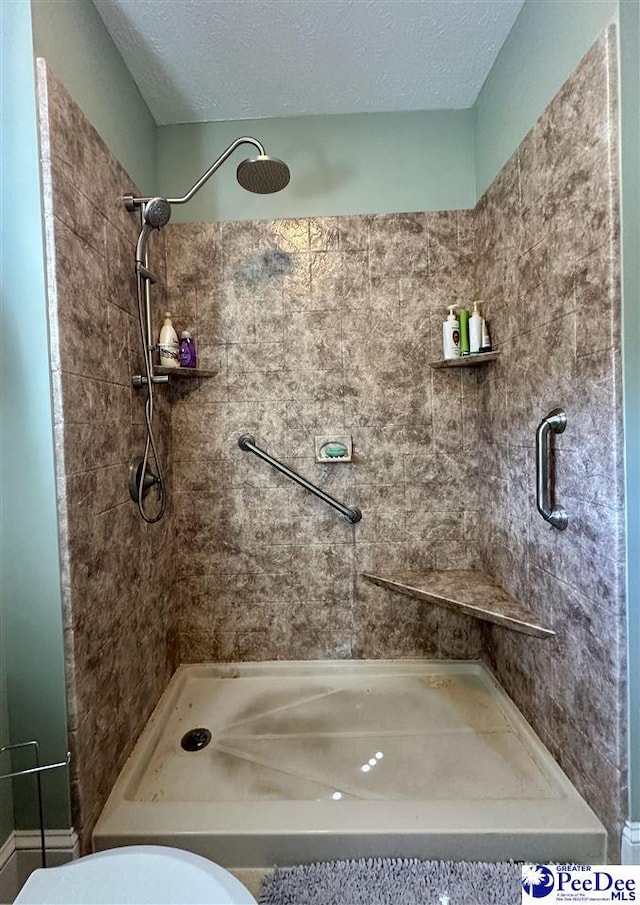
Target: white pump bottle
(475, 329)
(451, 334)
(168, 346)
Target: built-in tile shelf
(466, 361)
(469, 592)
(183, 373)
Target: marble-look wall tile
(320, 326)
(548, 264)
(120, 636)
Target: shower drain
(196, 739)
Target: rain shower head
(263, 174)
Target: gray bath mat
(391, 881)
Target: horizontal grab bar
(248, 444)
(555, 422)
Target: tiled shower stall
(321, 325)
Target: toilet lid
(135, 875)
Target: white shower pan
(328, 760)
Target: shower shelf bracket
(466, 361)
(167, 375)
(470, 592)
(184, 373)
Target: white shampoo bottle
(451, 335)
(475, 329)
(168, 345)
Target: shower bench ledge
(473, 593)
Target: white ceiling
(199, 60)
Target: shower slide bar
(247, 443)
(555, 422)
(145, 273)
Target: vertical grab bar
(555, 422)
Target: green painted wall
(360, 164)
(72, 37)
(33, 659)
(630, 107)
(6, 787)
(368, 163)
(546, 43)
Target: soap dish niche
(334, 448)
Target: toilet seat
(135, 875)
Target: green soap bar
(334, 450)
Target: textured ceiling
(198, 60)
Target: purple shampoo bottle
(187, 351)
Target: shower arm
(133, 203)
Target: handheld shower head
(263, 174)
(157, 212)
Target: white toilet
(135, 875)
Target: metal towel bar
(37, 770)
(555, 422)
(247, 443)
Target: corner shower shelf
(183, 373)
(469, 592)
(468, 361)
